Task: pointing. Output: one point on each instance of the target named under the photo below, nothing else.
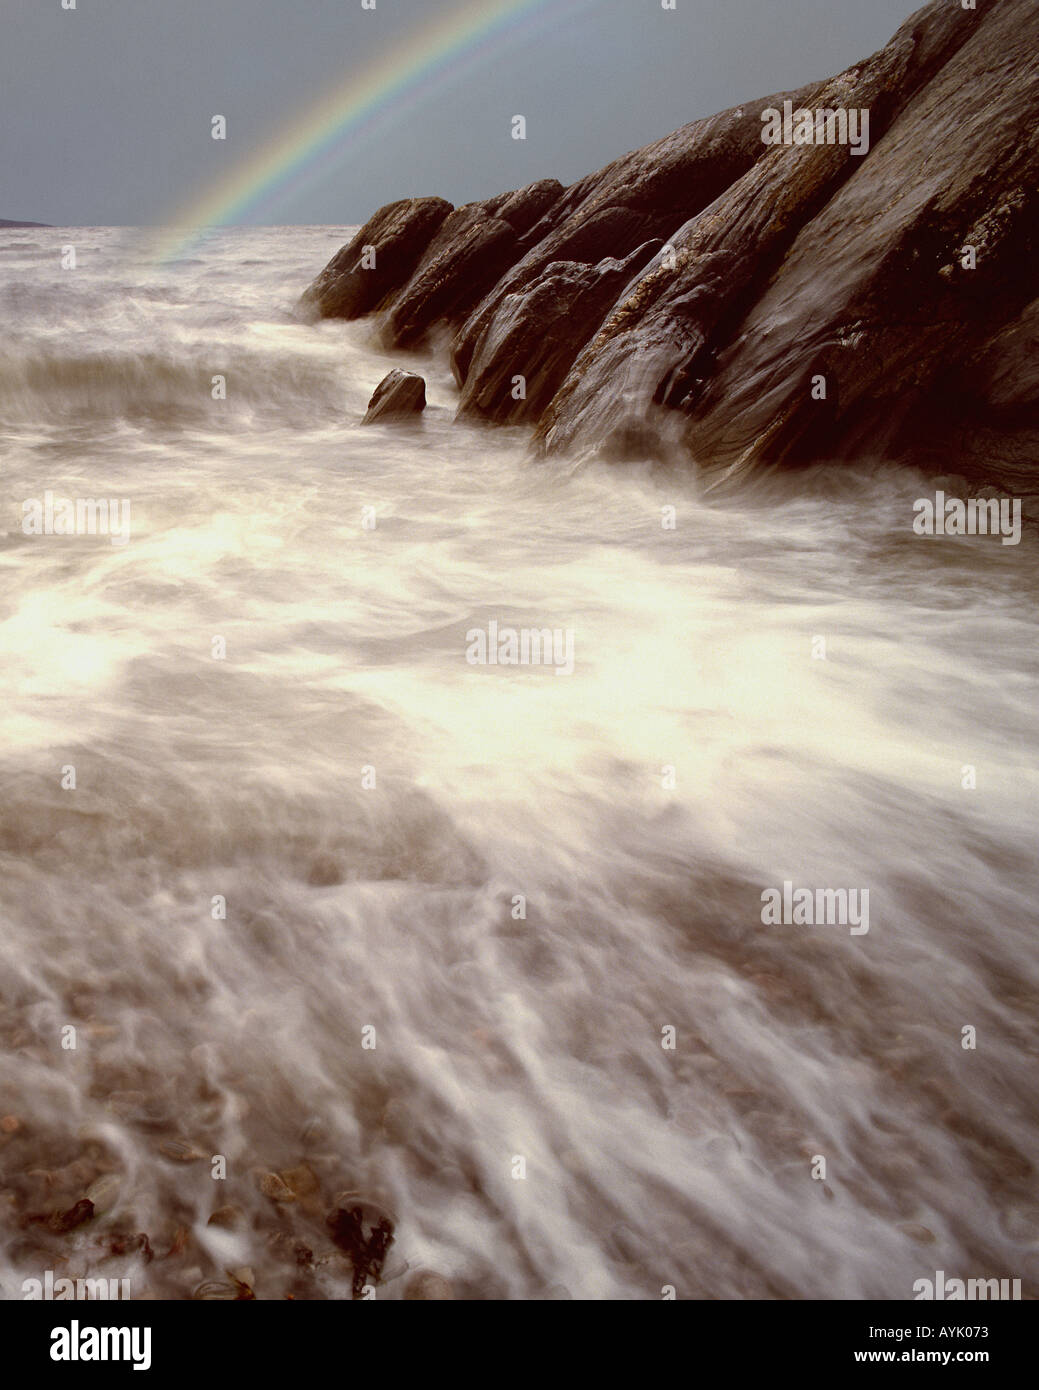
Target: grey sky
(105, 109)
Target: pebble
(918, 1233)
(274, 1187)
(212, 1291)
(302, 1180)
(243, 1275)
(104, 1193)
(226, 1217)
(64, 1221)
(178, 1151)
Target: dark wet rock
(533, 337)
(61, 1222)
(399, 396)
(659, 350)
(363, 1230)
(473, 248)
(983, 418)
(743, 305)
(127, 1243)
(894, 315)
(476, 252)
(643, 196)
(425, 1285)
(353, 283)
(528, 206)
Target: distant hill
(4, 223)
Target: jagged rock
(473, 248)
(348, 288)
(536, 334)
(660, 345)
(644, 195)
(472, 255)
(747, 305)
(873, 294)
(399, 396)
(983, 422)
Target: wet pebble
(212, 1291)
(275, 1187)
(228, 1218)
(64, 1221)
(302, 1181)
(179, 1151)
(918, 1233)
(104, 1193)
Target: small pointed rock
(399, 396)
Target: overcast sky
(105, 110)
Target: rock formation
(745, 304)
(398, 396)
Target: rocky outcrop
(644, 195)
(749, 305)
(540, 330)
(398, 396)
(474, 247)
(378, 261)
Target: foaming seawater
(300, 813)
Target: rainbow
(431, 57)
